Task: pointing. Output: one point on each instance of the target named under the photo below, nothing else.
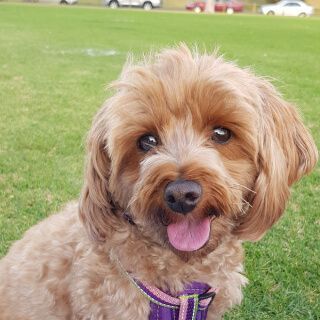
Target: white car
(293, 8)
(145, 4)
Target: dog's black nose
(182, 195)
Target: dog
(189, 157)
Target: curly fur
(66, 267)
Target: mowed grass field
(55, 63)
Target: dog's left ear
(96, 208)
(286, 153)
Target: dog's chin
(202, 252)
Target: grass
(54, 65)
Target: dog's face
(194, 150)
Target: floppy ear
(96, 208)
(286, 153)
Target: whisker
(240, 185)
(247, 203)
(242, 212)
(132, 201)
(244, 209)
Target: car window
(292, 4)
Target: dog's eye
(221, 135)
(147, 142)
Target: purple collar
(190, 304)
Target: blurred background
(247, 6)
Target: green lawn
(54, 65)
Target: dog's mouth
(189, 233)
(183, 233)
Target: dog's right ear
(96, 208)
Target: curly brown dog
(189, 157)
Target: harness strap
(192, 304)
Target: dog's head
(195, 150)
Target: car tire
(114, 5)
(197, 10)
(230, 11)
(147, 6)
(270, 13)
(302, 15)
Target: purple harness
(191, 304)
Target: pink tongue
(189, 235)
